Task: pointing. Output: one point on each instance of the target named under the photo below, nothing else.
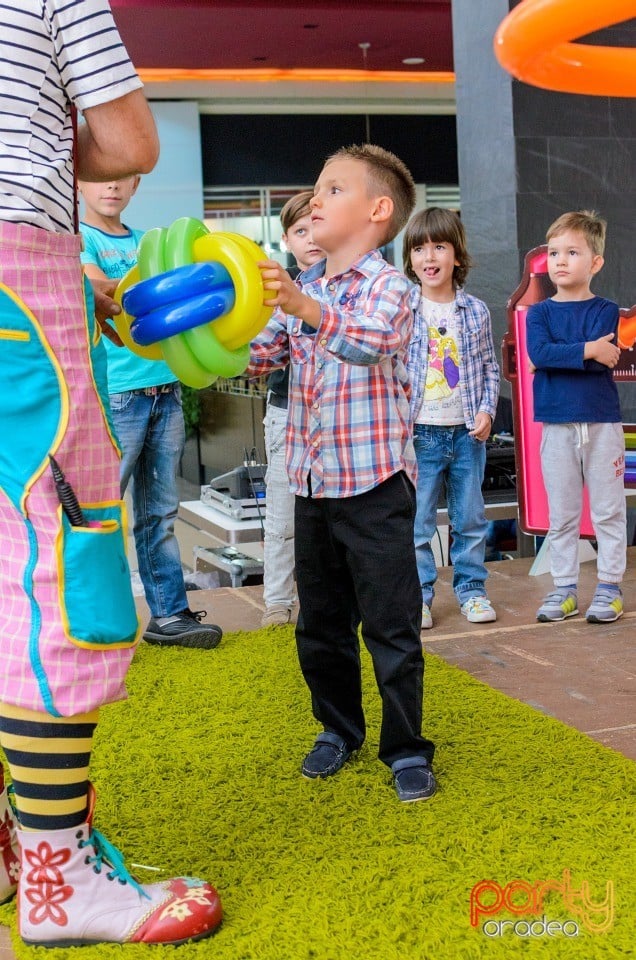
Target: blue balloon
(176, 285)
(178, 317)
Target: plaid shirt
(348, 427)
(479, 371)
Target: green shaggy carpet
(198, 772)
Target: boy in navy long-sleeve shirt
(571, 344)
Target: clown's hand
(106, 307)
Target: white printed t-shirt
(442, 402)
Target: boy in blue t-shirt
(145, 403)
(571, 344)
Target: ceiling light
(413, 61)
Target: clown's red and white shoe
(9, 849)
(74, 889)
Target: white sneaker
(427, 619)
(478, 610)
(276, 616)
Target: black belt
(275, 401)
(160, 388)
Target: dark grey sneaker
(184, 630)
(328, 754)
(413, 779)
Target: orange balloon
(533, 44)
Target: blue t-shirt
(567, 388)
(115, 255)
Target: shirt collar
(369, 264)
(460, 297)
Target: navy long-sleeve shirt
(567, 388)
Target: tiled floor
(582, 674)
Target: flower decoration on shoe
(186, 915)
(44, 864)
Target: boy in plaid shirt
(344, 327)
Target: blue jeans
(151, 433)
(450, 454)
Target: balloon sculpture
(195, 300)
(533, 44)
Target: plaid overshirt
(479, 370)
(348, 425)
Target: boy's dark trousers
(355, 564)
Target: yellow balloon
(248, 315)
(257, 254)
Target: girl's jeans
(450, 454)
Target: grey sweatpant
(574, 454)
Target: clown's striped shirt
(52, 53)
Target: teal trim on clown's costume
(36, 621)
(32, 413)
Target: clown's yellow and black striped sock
(48, 759)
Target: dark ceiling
(253, 34)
